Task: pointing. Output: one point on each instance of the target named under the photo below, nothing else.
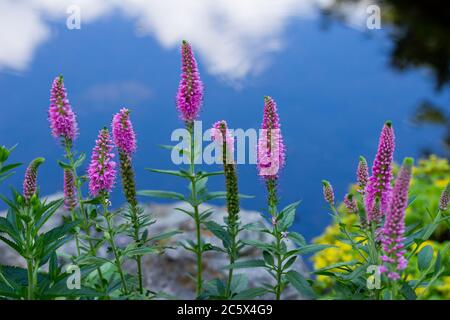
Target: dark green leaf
(250, 294)
(424, 257)
(300, 283)
(161, 194)
(246, 264)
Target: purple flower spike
(379, 187)
(445, 198)
(362, 174)
(271, 150)
(30, 181)
(190, 90)
(62, 119)
(101, 171)
(123, 133)
(350, 203)
(392, 233)
(328, 192)
(70, 201)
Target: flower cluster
(62, 119)
(362, 174)
(123, 132)
(392, 237)
(101, 171)
(30, 181)
(271, 149)
(350, 203)
(328, 192)
(190, 91)
(70, 201)
(445, 198)
(378, 189)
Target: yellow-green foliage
(430, 177)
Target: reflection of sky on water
(333, 88)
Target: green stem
(279, 271)
(31, 272)
(31, 288)
(137, 241)
(108, 217)
(233, 256)
(85, 216)
(273, 199)
(199, 250)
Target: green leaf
(287, 216)
(7, 227)
(161, 194)
(300, 284)
(289, 263)
(64, 165)
(140, 251)
(314, 248)
(12, 244)
(210, 174)
(408, 292)
(9, 167)
(80, 160)
(181, 174)
(297, 238)
(258, 244)
(219, 232)
(424, 257)
(246, 264)
(163, 236)
(250, 294)
(337, 265)
(239, 283)
(268, 258)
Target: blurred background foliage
(430, 177)
(420, 35)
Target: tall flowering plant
(189, 100)
(228, 233)
(382, 243)
(277, 258)
(125, 141)
(63, 125)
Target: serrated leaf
(161, 194)
(250, 294)
(246, 264)
(314, 248)
(181, 174)
(424, 257)
(297, 238)
(300, 284)
(268, 258)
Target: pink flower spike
(392, 233)
(271, 153)
(101, 171)
(123, 133)
(378, 189)
(62, 119)
(190, 91)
